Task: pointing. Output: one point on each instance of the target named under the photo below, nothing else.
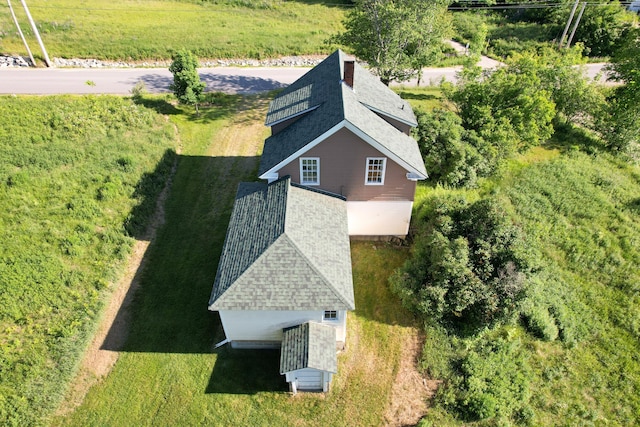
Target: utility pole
(573, 31)
(566, 28)
(13, 15)
(35, 31)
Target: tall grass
(573, 358)
(75, 174)
(156, 29)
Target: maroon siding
(343, 161)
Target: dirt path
(411, 391)
(113, 329)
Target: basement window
(330, 315)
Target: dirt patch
(101, 355)
(411, 391)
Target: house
(286, 261)
(339, 129)
(340, 162)
(308, 359)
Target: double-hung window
(310, 170)
(375, 170)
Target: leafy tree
(601, 27)
(621, 126)
(397, 38)
(186, 82)
(507, 101)
(467, 264)
(453, 156)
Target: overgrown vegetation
(500, 112)
(78, 181)
(501, 33)
(573, 203)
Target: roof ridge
(313, 266)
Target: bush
(467, 265)
(540, 323)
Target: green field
(78, 181)
(580, 213)
(155, 29)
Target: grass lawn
(169, 373)
(155, 29)
(78, 177)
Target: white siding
(389, 218)
(268, 325)
(309, 380)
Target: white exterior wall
(309, 379)
(249, 325)
(388, 218)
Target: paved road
(157, 80)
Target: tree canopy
(622, 125)
(397, 38)
(186, 82)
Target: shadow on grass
(568, 137)
(418, 96)
(634, 205)
(169, 314)
(246, 372)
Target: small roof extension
(287, 248)
(310, 345)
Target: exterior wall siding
(379, 218)
(402, 127)
(343, 163)
(265, 326)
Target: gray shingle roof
(310, 345)
(324, 103)
(287, 248)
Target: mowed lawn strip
(156, 29)
(169, 373)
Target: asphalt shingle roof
(310, 345)
(287, 248)
(323, 103)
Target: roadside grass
(169, 373)
(579, 211)
(424, 98)
(79, 177)
(155, 29)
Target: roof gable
(328, 104)
(287, 248)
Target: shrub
(540, 323)
(466, 267)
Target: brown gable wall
(402, 127)
(343, 159)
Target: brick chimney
(348, 73)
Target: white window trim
(366, 170)
(317, 159)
